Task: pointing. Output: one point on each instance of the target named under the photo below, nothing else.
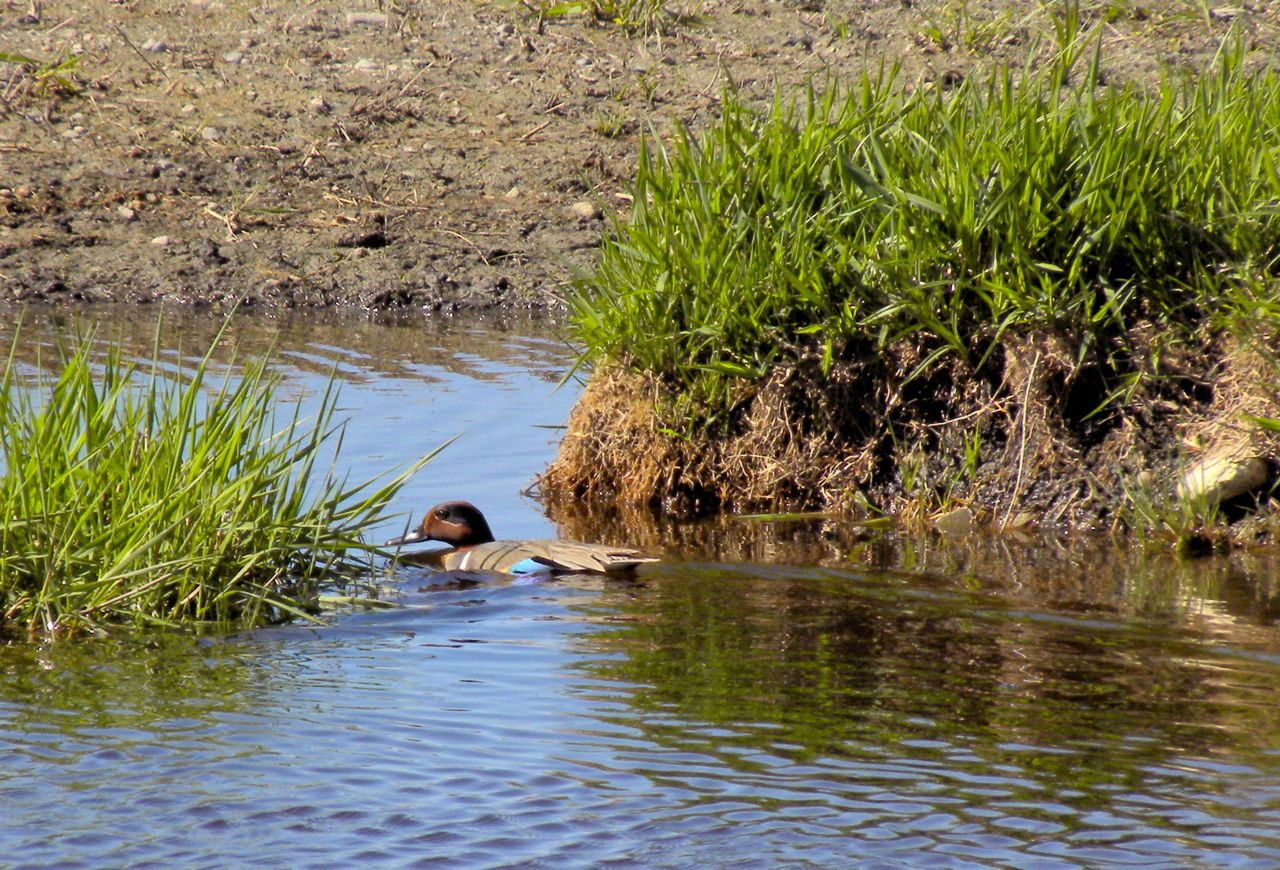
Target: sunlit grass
(867, 214)
(647, 17)
(31, 78)
(133, 495)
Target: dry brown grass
(1022, 442)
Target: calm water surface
(772, 695)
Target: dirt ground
(435, 155)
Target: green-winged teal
(461, 525)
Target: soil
(434, 155)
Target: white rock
(370, 19)
(1217, 479)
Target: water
(772, 695)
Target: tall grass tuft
(131, 495)
(1033, 198)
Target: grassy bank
(133, 494)
(915, 281)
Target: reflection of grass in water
(131, 680)
(134, 496)
(853, 667)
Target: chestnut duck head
(458, 523)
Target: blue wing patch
(529, 566)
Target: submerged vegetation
(136, 494)
(1008, 292)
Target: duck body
(461, 525)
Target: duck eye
(442, 514)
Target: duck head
(458, 523)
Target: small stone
(957, 522)
(188, 108)
(1021, 520)
(364, 64)
(210, 134)
(126, 214)
(155, 46)
(71, 133)
(369, 19)
(319, 105)
(513, 193)
(586, 211)
(160, 241)
(233, 56)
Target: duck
(462, 525)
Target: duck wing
(525, 557)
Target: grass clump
(859, 218)
(30, 78)
(130, 495)
(647, 17)
(1017, 295)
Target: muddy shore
(432, 156)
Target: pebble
(126, 214)
(364, 64)
(957, 522)
(155, 46)
(210, 134)
(319, 105)
(160, 241)
(587, 211)
(233, 56)
(371, 19)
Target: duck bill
(411, 538)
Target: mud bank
(1020, 444)
(439, 155)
